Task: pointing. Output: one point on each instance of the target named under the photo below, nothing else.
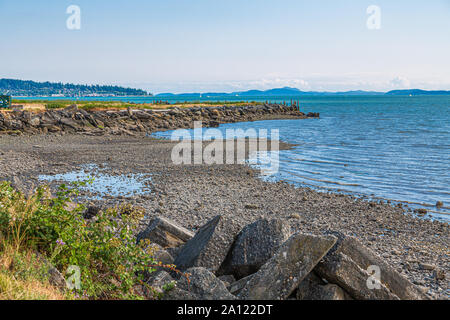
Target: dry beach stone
(204, 285)
(282, 274)
(210, 245)
(237, 286)
(314, 288)
(165, 233)
(158, 280)
(254, 246)
(347, 265)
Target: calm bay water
(387, 147)
(395, 148)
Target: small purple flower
(60, 242)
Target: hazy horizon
(209, 46)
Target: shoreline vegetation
(200, 219)
(32, 88)
(39, 105)
(41, 234)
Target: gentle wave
(385, 147)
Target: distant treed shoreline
(31, 88)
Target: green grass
(111, 264)
(90, 105)
(55, 105)
(23, 277)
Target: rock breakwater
(128, 122)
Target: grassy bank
(41, 105)
(39, 232)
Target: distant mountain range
(287, 91)
(31, 88)
(417, 92)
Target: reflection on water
(103, 184)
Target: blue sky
(232, 45)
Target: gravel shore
(192, 194)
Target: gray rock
(159, 282)
(71, 108)
(17, 184)
(163, 256)
(313, 288)
(55, 277)
(439, 274)
(91, 211)
(210, 245)
(282, 274)
(165, 233)
(129, 112)
(254, 246)
(227, 279)
(179, 294)
(160, 279)
(34, 122)
(70, 123)
(347, 265)
(237, 286)
(204, 285)
(427, 266)
(174, 251)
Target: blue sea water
(395, 148)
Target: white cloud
(368, 82)
(270, 83)
(400, 82)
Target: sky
(229, 45)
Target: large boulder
(254, 246)
(159, 282)
(165, 233)
(160, 279)
(313, 288)
(210, 245)
(70, 123)
(281, 275)
(55, 277)
(227, 279)
(163, 262)
(351, 266)
(178, 294)
(204, 284)
(237, 286)
(34, 121)
(162, 256)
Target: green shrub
(104, 249)
(55, 105)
